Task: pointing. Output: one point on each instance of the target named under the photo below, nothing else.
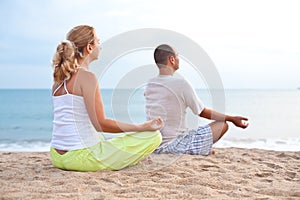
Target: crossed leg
(218, 129)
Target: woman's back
(79, 113)
(72, 128)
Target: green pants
(113, 154)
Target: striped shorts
(194, 142)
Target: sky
(254, 44)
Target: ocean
(274, 115)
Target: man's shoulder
(180, 81)
(153, 79)
(177, 84)
(167, 79)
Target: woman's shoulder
(86, 81)
(87, 76)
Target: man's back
(168, 97)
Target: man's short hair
(162, 54)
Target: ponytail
(67, 52)
(64, 61)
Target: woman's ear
(89, 48)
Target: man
(169, 97)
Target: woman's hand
(153, 125)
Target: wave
(291, 144)
(24, 146)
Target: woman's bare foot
(147, 160)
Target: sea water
(274, 116)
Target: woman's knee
(151, 138)
(157, 138)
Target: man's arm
(213, 115)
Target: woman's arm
(95, 108)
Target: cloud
(263, 33)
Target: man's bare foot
(213, 152)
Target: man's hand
(239, 121)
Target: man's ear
(172, 59)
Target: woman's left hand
(153, 125)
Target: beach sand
(231, 173)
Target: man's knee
(219, 126)
(225, 127)
(218, 130)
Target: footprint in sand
(290, 176)
(272, 165)
(264, 174)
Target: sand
(231, 173)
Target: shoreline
(232, 173)
(285, 145)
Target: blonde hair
(65, 59)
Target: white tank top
(72, 128)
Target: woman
(79, 114)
